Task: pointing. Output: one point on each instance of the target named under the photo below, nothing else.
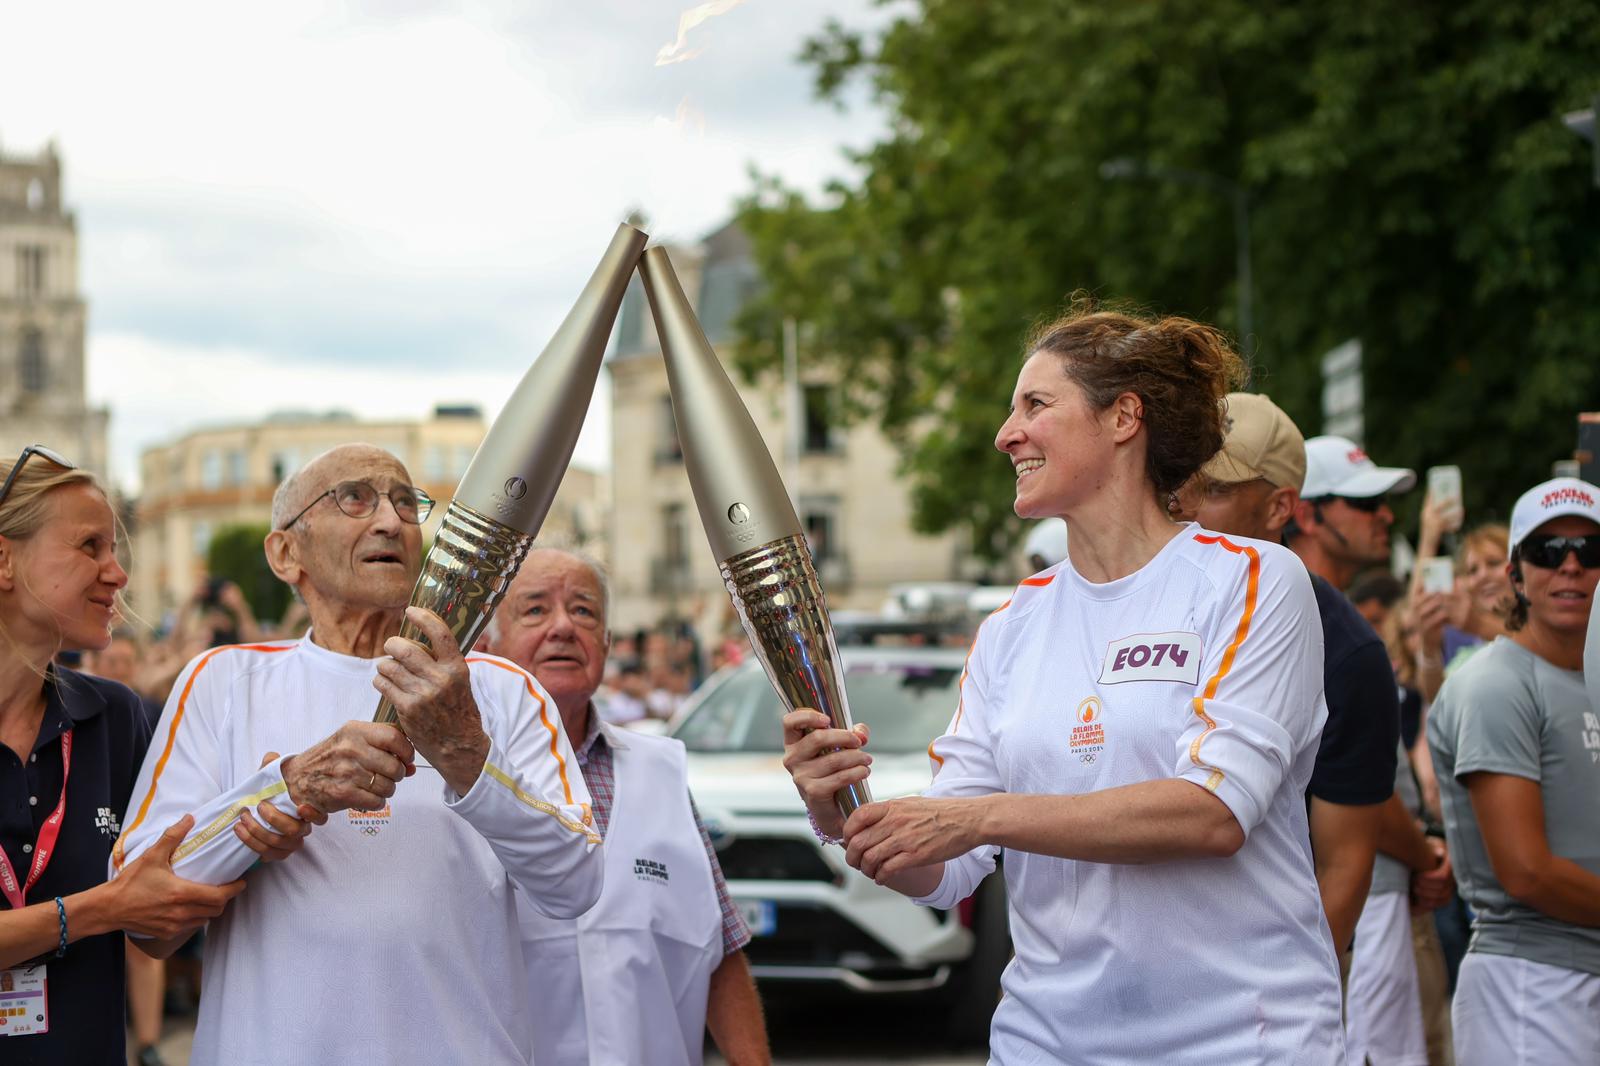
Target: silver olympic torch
(507, 490)
(754, 533)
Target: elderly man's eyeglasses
(22, 460)
(359, 500)
(1548, 553)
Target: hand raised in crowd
(883, 839)
(149, 900)
(1430, 613)
(277, 835)
(823, 760)
(356, 768)
(1438, 518)
(1432, 889)
(431, 689)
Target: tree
(236, 555)
(1411, 185)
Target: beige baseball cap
(1261, 442)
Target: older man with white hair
(392, 936)
(660, 958)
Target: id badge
(22, 1001)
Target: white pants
(1512, 1012)
(1383, 1000)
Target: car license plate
(761, 915)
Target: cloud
(322, 190)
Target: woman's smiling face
(1059, 447)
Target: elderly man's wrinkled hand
(431, 689)
(354, 769)
(276, 835)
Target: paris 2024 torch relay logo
(1088, 738)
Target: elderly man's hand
(431, 689)
(355, 768)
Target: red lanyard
(46, 846)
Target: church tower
(42, 318)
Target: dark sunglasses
(1548, 552)
(22, 460)
(1369, 504)
(359, 500)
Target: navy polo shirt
(110, 733)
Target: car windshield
(907, 704)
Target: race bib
(1153, 657)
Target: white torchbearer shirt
(1205, 665)
(391, 936)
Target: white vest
(626, 983)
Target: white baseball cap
(1555, 498)
(1048, 541)
(1336, 466)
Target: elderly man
(660, 958)
(391, 937)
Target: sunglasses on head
(22, 460)
(1548, 552)
(1369, 504)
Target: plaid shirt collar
(601, 737)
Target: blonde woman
(70, 748)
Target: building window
(31, 365)
(237, 467)
(819, 516)
(464, 453)
(284, 462)
(202, 538)
(668, 447)
(211, 469)
(674, 546)
(35, 194)
(30, 270)
(817, 433)
(434, 466)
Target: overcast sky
(383, 206)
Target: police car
(813, 917)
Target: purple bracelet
(817, 829)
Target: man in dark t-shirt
(1252, 489)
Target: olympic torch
(752, 527)
(508, 487)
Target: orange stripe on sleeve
(961, 686)
(544, 717)
(1252, 586)
(172, 736)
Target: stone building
(843, 478)
(215, 477)
(42, 318)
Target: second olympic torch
(508, 487)
(754, 533)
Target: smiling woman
(61, 945)
(1134, 729)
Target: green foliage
(236, 554)
(1411, 183)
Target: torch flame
(678, 51)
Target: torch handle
(780, 601)
(464, 577)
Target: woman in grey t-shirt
(1517, 748)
